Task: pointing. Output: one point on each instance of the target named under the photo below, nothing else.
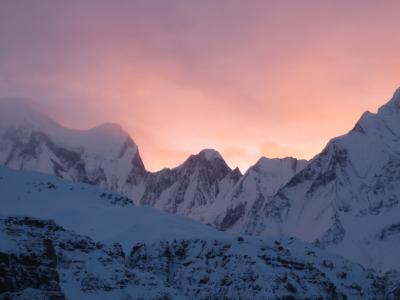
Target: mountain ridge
(107, 156)
(70, 240)
(346, 198)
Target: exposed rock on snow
(44, 260)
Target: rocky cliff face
(45, 261)
(40, 259)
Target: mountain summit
(210, 154)
(193, 187)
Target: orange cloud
(209, 74)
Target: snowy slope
(100, 246)
(347, 198)
(88, 209)
(253, 190)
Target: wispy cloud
(185, 75)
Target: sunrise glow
(275, 78)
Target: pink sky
(272, 78)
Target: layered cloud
(255, 78)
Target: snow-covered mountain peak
(205, 160)
(15, 111)
(193, 188)
(347, 197)
(393, 106)
(30, 140)
(16, 104)
(110, 129)
(237, 173)
(396, 95)
(210, 154)
(18, 116)
(387, 118)
(107, 139)
(364, 122)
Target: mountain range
(201, 187)
(344, 200)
